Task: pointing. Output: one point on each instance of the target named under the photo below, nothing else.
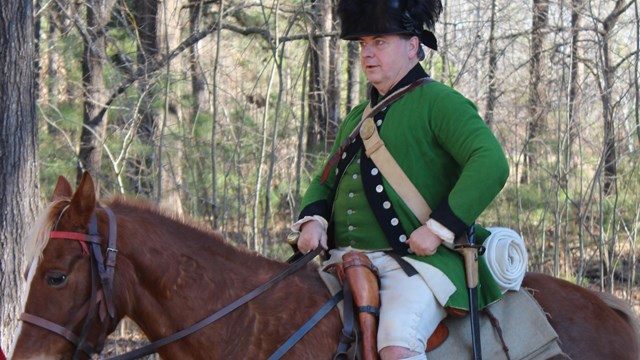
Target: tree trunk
(574, 84)
(318, 117)
(353, 75)
(608, 77)
(157, 173)
(54, 70)
(141, 168)
(636, 68)
(198, 82)
(38, 38)
(609, 139)
(537, 91)
(95, 95)
(169, 133)
(609, 155)
(333, 88)
(573, 124)
(215, 107)
(19, 198)
(493, 64)
(443, 46)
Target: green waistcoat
(451, 156)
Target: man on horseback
(438, 140)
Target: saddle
(360, 281)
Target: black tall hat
(384, 17)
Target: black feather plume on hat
(383, 17)
(424, 13)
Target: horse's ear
(83, 201)
(63, 189)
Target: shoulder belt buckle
(367, 129)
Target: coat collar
(417, 72)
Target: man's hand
(312, 234)
(423, 241)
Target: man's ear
(414, 46)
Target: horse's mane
(149, 206)
(201, 230)
(38, 237)
(138, 205)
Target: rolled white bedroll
(506, 256)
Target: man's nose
(366, 51)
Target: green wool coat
(439, 140)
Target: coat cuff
(320, 207)
(446, 217)
(298, 224)
(441, 231)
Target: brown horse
(166, 275)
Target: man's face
(386, 59)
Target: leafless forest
(222, 111)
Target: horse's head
(69, 308)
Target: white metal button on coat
(394, 221)
(386, 205)
(374, 171)
(379, 188)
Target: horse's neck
(174, 267)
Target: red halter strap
(79, 237)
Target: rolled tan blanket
(506, 256)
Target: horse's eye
(56, 279)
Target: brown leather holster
(363, 280)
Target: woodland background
(222, 110)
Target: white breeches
(409, 312)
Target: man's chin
(372, 77)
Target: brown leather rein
(102, 303)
